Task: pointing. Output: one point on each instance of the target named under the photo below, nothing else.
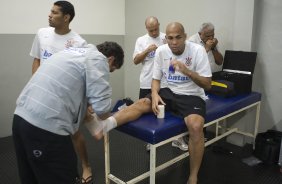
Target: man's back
(59, 87)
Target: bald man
(144, 53)
(186, 70)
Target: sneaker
(180, 143)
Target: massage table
(157, 132)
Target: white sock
(109, 124)
(96, 125)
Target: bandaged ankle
(109, 124)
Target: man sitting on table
(187, 72)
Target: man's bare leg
(121, 117)
(80, 147)
(133, 111)
(195, 124)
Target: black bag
(222, 88)
(238, 67)
(267, 146)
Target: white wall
(92, 16)
(268, 76)
(243, 25)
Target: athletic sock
(96, 125)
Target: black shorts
(144, 92)
(182, 105)
(43, 157)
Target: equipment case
(238, 67)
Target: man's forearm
(35, 65)
(139, 58)
(203, 82)
(218, 58)
(155, 88)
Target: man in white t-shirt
(51, 40)
(185, 67)
(205, 37)
(57, 37)
(144, 53)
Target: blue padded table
(158, 132)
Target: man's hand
(156, 99)
(179, 66)
(215, 41)
(151, 48)
(139, 58)
(211, 44)
(88, 117)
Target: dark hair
(66, 8)
(112, 49)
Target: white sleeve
(138, 48)
(35, 49)
(203, 66)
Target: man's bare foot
(192, 181)
(86, 174)
(95, 127)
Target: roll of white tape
(161, 111)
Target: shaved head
(175, 37)
(152, 25)
(175, 26)
(151, 21)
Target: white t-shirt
(194, 57)
(47, 42)
(141, 44)
(197, 39)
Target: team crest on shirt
(70, 43)
(188, 61)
